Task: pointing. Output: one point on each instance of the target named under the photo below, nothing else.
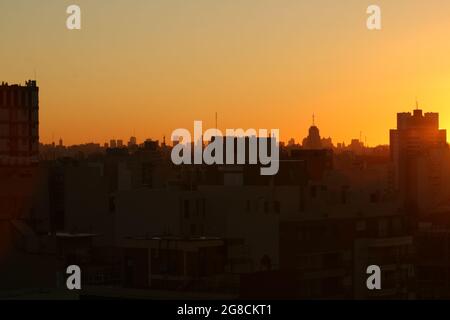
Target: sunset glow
(144, 68)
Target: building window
(360, 225)
(248, 206)
(277, 207)
(197, 207)
(112, 204)
(186, 209)
(344, 194)
(383, 228)
(397, 225)
(374, 197)
(313, 192)
(203, 208)
(8, 98)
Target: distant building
(356, 146)
(291, 142)
(313, 140)
(20, 184)
(172, 262)
(328, 256)
(327, 143)
(416, 136)
(19, 123)
(132, 142)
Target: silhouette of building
(19, 125)
(330, 254)
(172, 262)
(356, 146)
(133, 220)
(132, 142)
(417, 135)
(313, 140)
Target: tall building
(19, 143)
(132, 142)
(313, 140)
(416, 137)
(19, 123)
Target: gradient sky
(147, 67)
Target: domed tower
(313, 140)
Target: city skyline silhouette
(329, 178)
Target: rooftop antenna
(417, 104)
(314, 119)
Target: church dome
(314, 131)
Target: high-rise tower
(416, 137)
(19, 123)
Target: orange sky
(148, 67)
